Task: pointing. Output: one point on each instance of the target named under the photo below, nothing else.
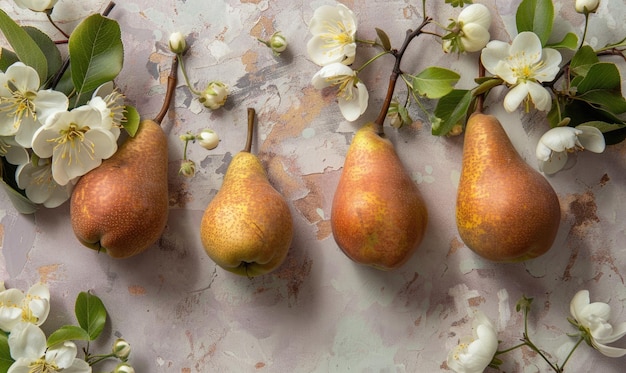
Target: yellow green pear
(506, 211)
(378, 215)
(121, 207)
(247, 227)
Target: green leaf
(5, 353)
(384, 39)
(131, 125)
(536, 16)
(485, 85)
(609, 100)
(456, 3)
(96, 53)
(435, 82)
(582, 61)
(7, 58)
(90, 313)
(68, 333)
(570, 41)
(49, 49)
(24, 46)
(451, 110)
(602, 75)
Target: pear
(121, 207)
(247, 227)
(506, 210)
(378, 215)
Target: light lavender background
(320, 312)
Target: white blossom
(214, 96)
(27, 343)
(208, 139)
(593, 321)
(334, 29)
(39, 185)
(36, 5)
(16, 307)
(474, 353)
(555, 145)
(23, 107)
(352, 94)
(471, 30)
(77, 141)
(523, 65)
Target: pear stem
(251, 115)
(396, 72)
(480, 100)
(169, 93)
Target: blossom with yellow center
(15, 306)
(474, 353)
(23, 107)
(333, 29)
(77, 141)
(523, 65)
(352, 94)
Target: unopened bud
(587, 6)
(187, 168)
(208, 139)
(124, 368)
(277, 43)
(214, 96)
(177, 43)
(121, 349)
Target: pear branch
(396, 72)
(251, 115)
(169, 93)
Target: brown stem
(169, 93)
(108, 9)
(480, 99)
(395, 73)
(251, 115)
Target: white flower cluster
(51, 145)
(333, 46)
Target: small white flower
(471, 30)
(592, 320)
(77, 141)
(177, 42)
(40, 187)
(12, 151)
(556, 143)
(588, 6)
(27, 343)
(110, 102)
(36, 5)
(16, 307)
(523, 65)
(23, 107)
(473, 354)
(334, 29)
(214, 96)
(208, 139)
(352, 94)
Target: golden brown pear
(506, 210)
(378, 216)
(121, 207)
(247, 227)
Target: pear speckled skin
(378, 216)
(121, 207)
(506, 211)
(247, 228)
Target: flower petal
(353, 108)
(608, 350)
(591, 138)
(49, 102)
(526, 46)
(477, 14)
(578, 302)
(475, 37)
(62, 354)
(493, 54)
(547, 70)
(561, 139)
(539, 95)
(27, 341)
(23, 77)
(514, 98)
(554, 164)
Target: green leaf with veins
(536, 16)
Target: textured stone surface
(319, 312)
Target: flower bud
(278, 43)
(214, 96)
(208, 139)
(124, 368)
(177, 43)
(187, 168)
(587, 6)
(121, 349)
(187, 137)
